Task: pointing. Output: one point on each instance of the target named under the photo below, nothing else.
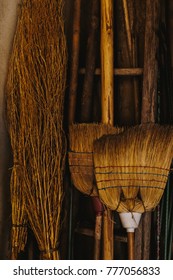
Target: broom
(19, 217)
(131, 170)
(16, 132)
(39, 71)
(81, 138)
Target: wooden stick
(107, 103)
(130, 238)
(118, 71)
(149, 94)
(86, 108)
(97, 236)
(128, 29)
(74, 61)
(98, 209)
(132, 51)
(86, 103)
(107, 62)
(149, 100)
(72, 102)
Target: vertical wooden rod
(130, 239)
(107, 62)
(107, 103)
(74, 61)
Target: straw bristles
(132, 168)
(35, 99)
(81, 138)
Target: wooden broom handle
(130, 239)
(107, 104)
(107, 62)
(74, 61)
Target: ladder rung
(119, 71)
(90, 232)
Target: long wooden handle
(130, 239)
(107, 104)
(107, 62)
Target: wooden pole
(86, 108)
(98, 209)
(86, 100)
(107, 62)
(149, 107)
(74, 61)
(132, 52)
(107, 104)
(74, 67)
(150, 73)
(130, 241)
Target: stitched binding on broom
(19, 225)
(113, 187)
(51, 250)
(146, 173)
(119, 166)
(108, 180)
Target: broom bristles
(133, 166)
(81, 138)
(35, 89)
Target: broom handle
(107, 62)
(74, 61)
(107, 104)
(130, 240)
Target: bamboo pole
(107, 103)
(149, 107)
(74, 61)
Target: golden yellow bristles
(35, 99)
(132, 168)
(81, 138)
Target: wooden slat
(90, 232)
(118, 71)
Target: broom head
(81, 138)
(132, 168)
